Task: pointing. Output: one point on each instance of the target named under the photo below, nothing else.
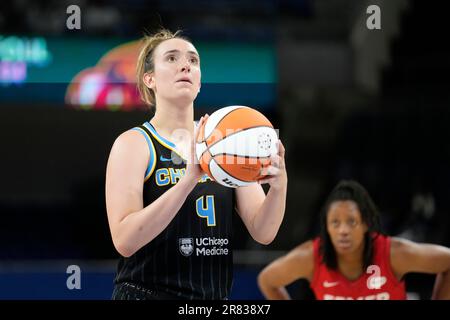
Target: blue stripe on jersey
(149, 126)
(151, 147)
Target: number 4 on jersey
(206, 211)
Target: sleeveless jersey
(377, 283)
(192, 257)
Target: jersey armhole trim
(151, 147)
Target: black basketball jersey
(192, 257)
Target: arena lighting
(18, 53)
(13, 72)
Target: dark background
(386, 128)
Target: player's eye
(334, 223)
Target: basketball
(235, 144)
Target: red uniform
(377, 283)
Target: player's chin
(192, 91)
(186, 95)
(343, 246)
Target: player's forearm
(273, 293)
(140, 227)
(441, 289)
(268, 219)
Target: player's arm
(133, 226)
(262, 214)
(297, 264)
(408, 256)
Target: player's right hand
(193, 168)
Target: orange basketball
(234, 144)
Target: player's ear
(149, 80)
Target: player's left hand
(276, 175)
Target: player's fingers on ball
(204, 118)
(263, 181)
(275, 160)
(281, 149)
(282, 164)
(269, 170)
(273, 171)
(263, 171)
(197, 129)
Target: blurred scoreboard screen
(99, 73)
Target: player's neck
(351, 265)
(169, 117)
(349, 261)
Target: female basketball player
(351, 259)
(171, 223)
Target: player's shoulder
(304, 250)
(400, 245)
(132, 136)
(401, 253)
(131, 140)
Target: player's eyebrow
(177, 51)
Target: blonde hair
(145, 63)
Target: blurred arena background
(372, 105)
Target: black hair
(352, 191)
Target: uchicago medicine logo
(203, 246)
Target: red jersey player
(351, 259)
